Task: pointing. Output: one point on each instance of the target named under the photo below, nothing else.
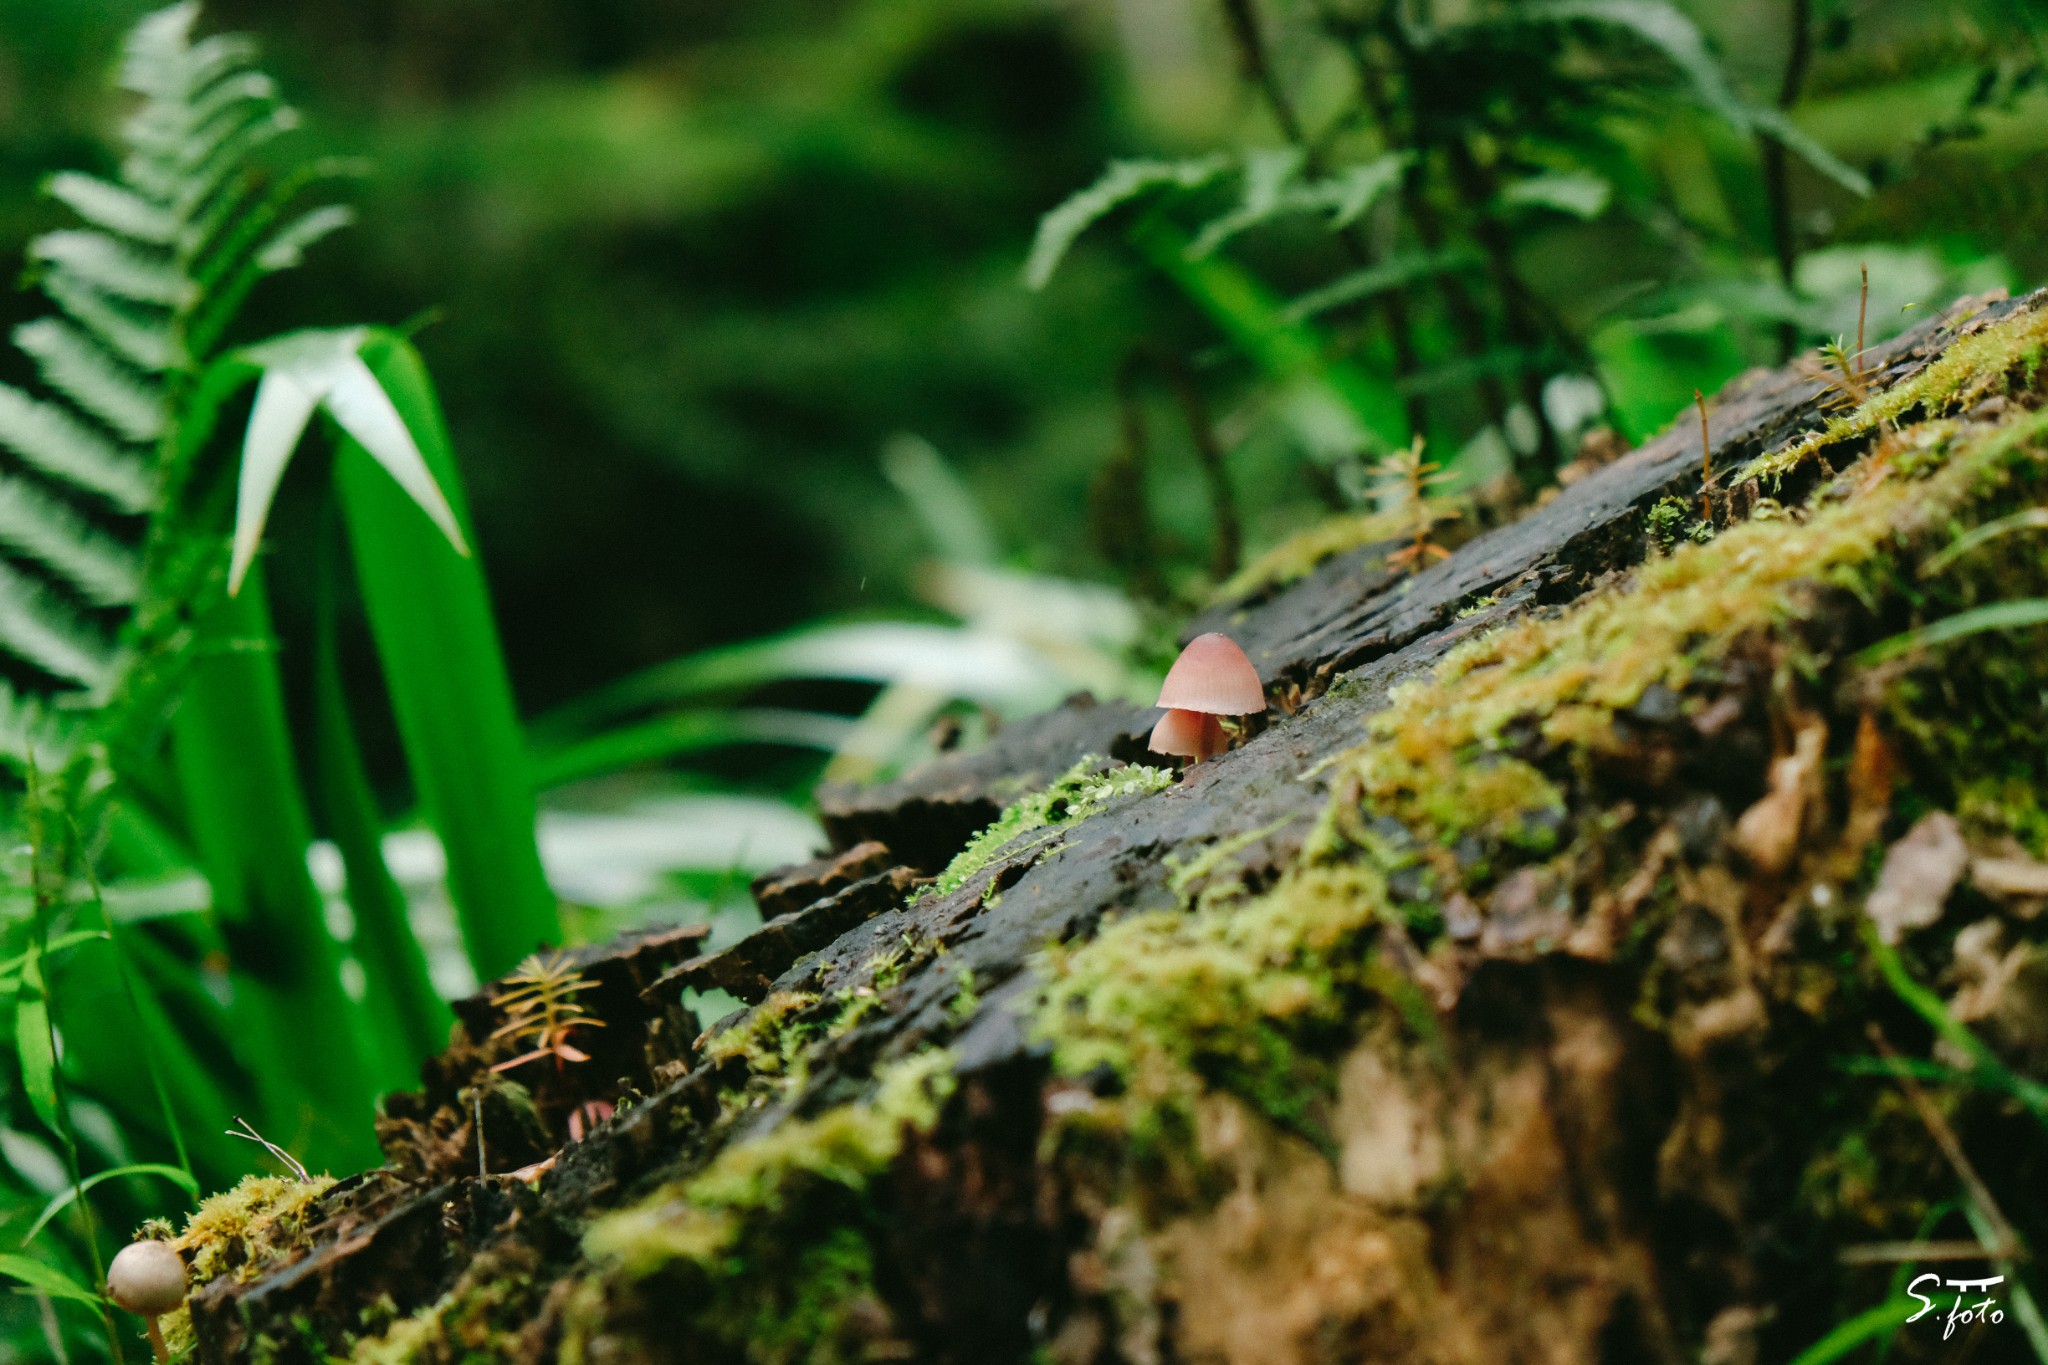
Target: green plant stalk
(1258, 323)
(430, 615)
(248, 817)
(412, 1018)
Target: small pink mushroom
(1211, 678)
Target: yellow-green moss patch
(1075, 795)
(1972, 368)
(240, 1232)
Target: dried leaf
(1768, 832)
(1919, 872)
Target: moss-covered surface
(1552, 1037)
(241, 1232)
(765, 1252)
(1076, 794)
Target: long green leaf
(33, 1042)
(683, 733)
(430, 614)
(398, 991)
(2018, 614)
(1853, 1333)
(45, 1279)
(176, 1175)
(244, 801)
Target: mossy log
(1622, 936)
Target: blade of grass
(2015, 615)
(176, 1175)
(430, 615)
(146, 1045)
(1865, 1325)
(398, 992)
(1990, 1071)
(683, 733)
(2024, 1309)
(46, 1279)
(247, 812)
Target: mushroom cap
(1187, 734)
(147, 1278)
(1212, 674)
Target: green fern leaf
(228, 156)
(66, 449)
(41, 629)
(1119, 185)
(107, 264)
(121, 212)
(75, 366)
(145, 343)
(37, 526)
(287, 246)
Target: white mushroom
(148, 1279)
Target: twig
(2007, 1241)
(1886, 1253)
(249, 1134)
(1706, 461)
(476, 1110)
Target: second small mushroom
(1212, 678)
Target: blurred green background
(693, 263)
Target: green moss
(1972, 368)
(1257, 994)
(1077, 794)
(476, 1320)
(1171, 999)
(762, 1251)
(241, 1232)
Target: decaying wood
(1537, 1174)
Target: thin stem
(1706, 460)
(1776, 164)
(129, 990)
(1393, 304)
(1229, 532)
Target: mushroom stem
(156, 1341)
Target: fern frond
(109, 265)
(1123, 182)
(38, 627)
(38, 526)
(228, 156)
(66, 449)
(144, 342)
(75, 366)
(119, 211)
(287, 246)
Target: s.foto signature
(1985, 1309)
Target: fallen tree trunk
(1513, 995)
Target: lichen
(241, 1232)
(1075, 795)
